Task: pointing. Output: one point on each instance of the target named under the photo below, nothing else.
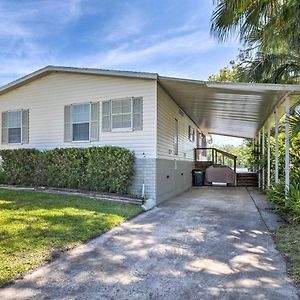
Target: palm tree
(268, 24)
(295, 122)
(270, 68)
(270, 29)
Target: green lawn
(287, 240)
(36, 226)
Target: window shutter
(95, 121)
(106, 116)
(137, 113)
(25, 126)
(67, 124)
(4, 128)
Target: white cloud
(129, 22)
(24, 28)
(186, 44)
(31, 20)
(124, 41)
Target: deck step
(247, 179)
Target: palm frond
(294, 124)
(269, 23)
(271, 68)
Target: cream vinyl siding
(167, 112)
(46, 98)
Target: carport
(247, 110)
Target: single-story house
(161, 119)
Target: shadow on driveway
(208, 243)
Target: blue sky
(170, 37)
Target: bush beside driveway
(103, 169)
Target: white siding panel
(46, 97)
(167, 112)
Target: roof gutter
(254, 86)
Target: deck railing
(216, 156)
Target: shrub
(293, 201)
(276, 194)
(18, 166)
(290, 204)
(105, 169)
(109, 169)
(65, 167)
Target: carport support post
(287, 146)
(253, 145)
(263, 158)
(276, 147)
(258, 157)
(269, 160)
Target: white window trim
(191, 133)
(90, 113)
(123, 129)
(111, 115)
(15, 110)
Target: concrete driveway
(209, 243)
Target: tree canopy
(225, 74)
(270, 33)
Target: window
(191, 134)
(176, 138)
(14, 126)
(199, 135)
(203, 144)
(122, 114)
(203, 141)
(81, 122)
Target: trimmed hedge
(104, 169)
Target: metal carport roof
(233, 109)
